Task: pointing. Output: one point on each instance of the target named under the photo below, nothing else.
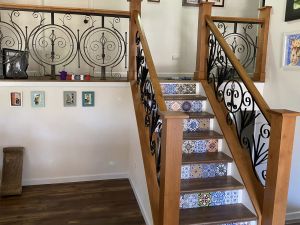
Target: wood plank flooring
(110, 202)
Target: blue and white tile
(194, 125)
(184, 106)
(179, 88)
(185, 172)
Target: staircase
(209, 194)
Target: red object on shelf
(69, 77)
(87, 77)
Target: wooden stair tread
(210, 184)
(200, 115)
(209, 157)
(201, 135)
(184, 97)
(216, 215)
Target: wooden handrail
(56, 9)
(237, 19)
(261, 103)
(149, 60)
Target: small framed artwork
(292, 10)
(38, 99)
(15, 64)
(291, 56)
(16, 99)
(70, 98)
(153, 0)
(217, 3)
(88, 98)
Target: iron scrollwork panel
(53, 39)
(152, 117)
(251, 125)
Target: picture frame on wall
(16, 99)
(154, 1)
(291, 49)
(38, 99)
(217, 3)
(15, 64)
(292, 10)
(88, 99)
(70, 98)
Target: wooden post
(135, 5)
(279, 166)
(262, 44)
(170, 174)
(202, 42)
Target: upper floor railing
(255, 134)
(54, 39)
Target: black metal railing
(148, 98)
(55, 41)
(252, 126)
(242, 39)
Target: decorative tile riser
(193, 125)
(185, 106)
(200, 146)
(179, 89)
(193, 171)
(197, 200)
(241, 223)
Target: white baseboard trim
(293, 216)
(70, 179)
(145, 215)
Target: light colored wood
(279, 166)
(240, 156)
(202, 42)
(170, 174)
(148, 159)
(237, 19)
(262, 44)
(86, 11)
(240, 70)
(135, 7)
(149, 60)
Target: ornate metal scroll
(55, 40)
(251, 125)
(242, 38)
(152, 118)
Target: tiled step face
(185, 106)
(197, 200)
(194, 171)
(241, 223)
(200, 146)
(193, 125)
(179, 88)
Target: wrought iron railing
(243, 111)
(54, 41)
(148, 98)
(242, 38)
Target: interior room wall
(282, 91)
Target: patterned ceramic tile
(192, 125)
(188, 201)
(231, 197)
(204, 170)
(196, 200)
(200, 146)
(185, 172)
(241, 223)
(179, 88)
(184, 106)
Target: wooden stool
(12, 171)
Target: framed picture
(16, 99)
(38, 99)
(88, 98)
(15, 64)
(153, 0)
(70, 98)
(292, 10)
(291, 56)
(217, 3)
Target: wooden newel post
(170, 174)
(283, 124)
(262, 44)
(202, 42)
(135, 5)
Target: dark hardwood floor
(109, 202)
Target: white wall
(282, 91)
